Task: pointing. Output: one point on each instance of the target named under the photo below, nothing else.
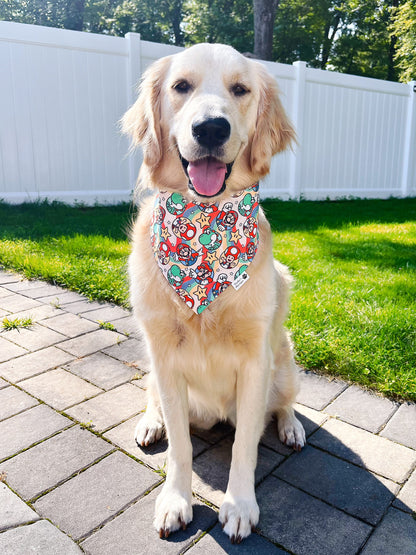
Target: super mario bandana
(202, 248)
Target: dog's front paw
(291, 431)
(148, 430)
(239, 516)
(173, 511)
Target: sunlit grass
(353, 309)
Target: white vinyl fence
(63, 92)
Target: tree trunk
(330, 32)
(264, 15)
(176, 19)
(74, 16)
(391, 64)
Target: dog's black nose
(212, 132)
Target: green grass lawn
(354, 301)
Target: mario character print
(202, 248)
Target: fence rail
(63, 92)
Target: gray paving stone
(53, 461)
(13, 511)
(154, 455)
(127, 325)
(3, 383)
(39, 313)
(102, 370)
(40, 538)
(107, 313)
(70, 324)
(24, 285)
(90, 342)
(94, 496)
(317, 391)
(214, 434)
(31, 364)
(341, 484)
(110, 408)
(4, 313)
(406, 500)
(217, 542)
(395, 535)
(61, 299)
(59, 388)
(360, 447)
(5, 292)
(25, 429)
(13, 401)
(80, 307)
(133, 531)
(304, 525)
(17, 303)
(271, 440)
(211, 469)
(402, 427)
(43, 291)
(130, 350)
(7, 277)
(9, 350)
(34, 338)
(362, 408)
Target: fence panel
(63, 93)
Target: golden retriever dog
(205, 289)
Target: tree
(225, 21)
(365, 46)
(264, 15)
(307, 30)
(74, 15)
(403, 28)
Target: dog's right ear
(142, 120)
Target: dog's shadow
(327, 479)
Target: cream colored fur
(235, 360)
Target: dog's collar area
(185, 164)
(203, 248)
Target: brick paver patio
(72, 479)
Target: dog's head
(209, 120)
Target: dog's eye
(182, 86)
(239, 90)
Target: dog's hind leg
(150, 426)
(283, 393)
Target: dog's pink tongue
(207, 176)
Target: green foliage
(106, 325)
(404, 28)
(16, 323)
(224, 21)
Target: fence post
(409, 147)
(134, 72)
(295, 185)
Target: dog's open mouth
(207, 176)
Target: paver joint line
(69, 403)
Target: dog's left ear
(273, 132)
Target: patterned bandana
(203, 248)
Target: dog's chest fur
(208, 349)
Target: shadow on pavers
(320, 501)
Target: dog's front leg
(174, 503)
(239, 512)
